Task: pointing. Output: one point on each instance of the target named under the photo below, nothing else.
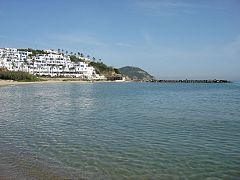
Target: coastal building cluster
(49, 63)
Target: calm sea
(120, 131)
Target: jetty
(191, 81)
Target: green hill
(135, 73)
(103, 69)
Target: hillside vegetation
(34, 51)
(135, 73)
(103, 69)
(17, 75)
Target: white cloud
(127, 45)
(148, 40)
(223, 52)
(147, 43)
(174, 7)
(154, 4)
(77, 38)
(164, 8)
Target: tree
(52, 70)
(63, 68)
(57, 67)
(33, 62)
(22, 65)
(13, 65)
(25, 61)
(39, 67)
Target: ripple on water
(120, 131)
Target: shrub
(17, 75)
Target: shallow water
(120, 131)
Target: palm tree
(39, 67)
(22, 65)
(52, 70)
(33, 61)
(93, 59)
(57, 67)
(63, 68)
(13, 65)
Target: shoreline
(67, 80)
(13, 83)
(50, 81)
(45, 81)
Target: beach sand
(46, 81)
(50, 80)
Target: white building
(50, 51)
(50, 64)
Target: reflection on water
(118, 131)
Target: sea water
(120, 131)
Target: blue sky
(171, 39)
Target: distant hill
(135, 73)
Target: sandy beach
(48, 80)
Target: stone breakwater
(192, 81)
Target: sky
(171, 39)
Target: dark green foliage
(17, 75)
(117, 71)
(74, 58)
(34, 51)
(101, 67)
(135, 73)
